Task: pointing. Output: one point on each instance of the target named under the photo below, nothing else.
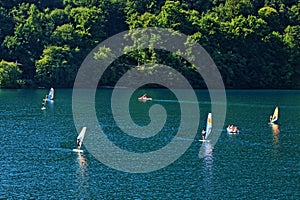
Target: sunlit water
(259, 163)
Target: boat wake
(176, 101)
(60, 149)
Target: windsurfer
(43, 105)
(46, 97)
(79, 143)
(203, 134)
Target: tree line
(254, 43)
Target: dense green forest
(254, 43)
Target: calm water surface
(259, 163)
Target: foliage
(10, 75)
(254, 43)
(55, 67)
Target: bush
(10, 75)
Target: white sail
(81, 134)
(80, 138)
(208, 125)
(275, 115)
(51, 94)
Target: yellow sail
(275, 115)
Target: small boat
(208, 127)
(232, 130)
(144, 98)
(274, 117)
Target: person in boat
(229, 128)
(203, 134)
(232, 129)
(143, 97)
(235, 129)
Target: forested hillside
(255, 43)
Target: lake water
(259, 163)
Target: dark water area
(258, 163)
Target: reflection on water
(207, 169)
(82, 163)
(276, 131)
(82, 178)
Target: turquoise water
(259, 163)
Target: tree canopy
(254, 43)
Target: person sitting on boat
(232, 129)
(229, 128)
(203, 134)
(235, 129)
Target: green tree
(233, 8)
(10, 75)
(294, 14)
(27, 42)
(271, 16)
(59, 17)
(6, 22)
(115, 17)
(248, 39)
(292, 40)
(142, 6)
(84, 3)
(6, 28)
(89, 23)
(65, 35)
(200, 6)
(55, 67)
